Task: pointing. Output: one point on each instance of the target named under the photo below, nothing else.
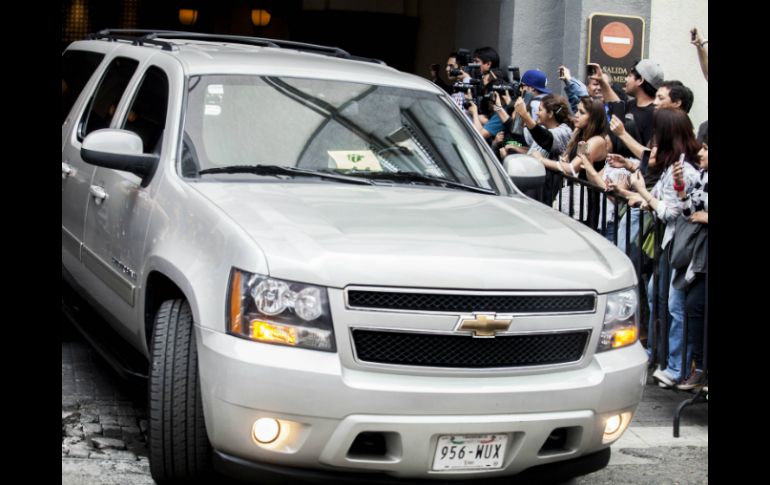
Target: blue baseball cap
(536, 79)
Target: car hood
(422, 237)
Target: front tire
(179, 447)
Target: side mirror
(119, 150)
(525, 171)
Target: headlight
(279, 312)
(621, 320)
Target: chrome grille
(468, 303)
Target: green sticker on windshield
(355, 160)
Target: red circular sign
(616, 40)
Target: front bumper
(323, 406)
(272, 474)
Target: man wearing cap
(642, 82)
(535, 82)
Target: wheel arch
(159, 288)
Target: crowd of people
(634, 144)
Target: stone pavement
(103, 418)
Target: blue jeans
(664, 273)
(676, 305)
(609, 234)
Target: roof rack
(153, 37)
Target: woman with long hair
(590, 137)
(551, 133)
(675, 146)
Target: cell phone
(561, 72)
(591, 70)
(693, 33)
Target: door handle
(99, 194)
(66, 170)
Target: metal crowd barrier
(590, 208)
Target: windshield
(328, 126)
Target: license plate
(470, 452)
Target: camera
(474, 70)
(474, 85)
(463, 57)
(501, 87)
(462, 87)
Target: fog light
(615, 425)
(266, 430)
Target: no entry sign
(615, 42)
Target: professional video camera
(500, 87)
(474, 85)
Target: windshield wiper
(284, 170)
(418, 177)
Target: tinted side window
(147, 115)
(105, 100)
(76, 69)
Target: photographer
(490, 104)
(454, 73)
(487, 57)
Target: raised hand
(520, 107)
(695, 37)
(678, 174)
(507, 98)
(616, 126)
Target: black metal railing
(588, 204)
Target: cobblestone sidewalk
(98, 419)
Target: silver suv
(327, 272)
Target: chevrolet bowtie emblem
(484, 325)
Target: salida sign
(615, 42)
